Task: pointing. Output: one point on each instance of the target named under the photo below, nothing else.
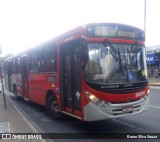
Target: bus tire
(52, 107)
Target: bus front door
(25, 77)
(71, 78)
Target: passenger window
(48, 59)
(18, 65)
(35, 62)
(13, 66)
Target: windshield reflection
(103, 68)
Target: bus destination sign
(115, 30)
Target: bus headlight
(148, 91)
(92, 97)
(96, 100)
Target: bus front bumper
(93, 112)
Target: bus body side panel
(18, 82)
(35, 87)
(49, 83)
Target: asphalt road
(146, 122)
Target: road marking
(4, 127)
(124, 123)
(154, 106)
(9, 127)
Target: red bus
(94, 72)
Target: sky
(27, 23)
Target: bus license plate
(127, 109)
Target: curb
(154, 84)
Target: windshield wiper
(114, 53)
(135, 46)
(130, 61)
(133, 50)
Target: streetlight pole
(4, 98)
(145, 16)
(1, 79)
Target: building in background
(153, 61)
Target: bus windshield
(126, 64)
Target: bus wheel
(52, 107)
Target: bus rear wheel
(52, 107)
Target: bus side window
(34, 62)
(49, 61)
(13, 66)
(18, 65)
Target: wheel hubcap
(55, 106)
